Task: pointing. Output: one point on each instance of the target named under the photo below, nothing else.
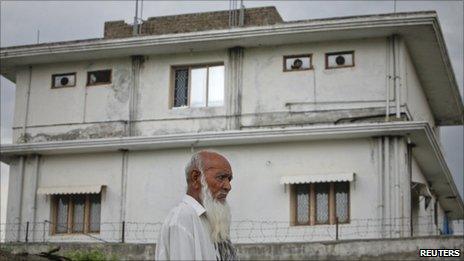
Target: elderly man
(198, 228)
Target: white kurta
(185, 234)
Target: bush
(93, 255)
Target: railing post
(27, 231)
(123, 231)
(336, 228)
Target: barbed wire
(241, 231)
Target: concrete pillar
(137, 62)
(29, 198)
(233, 92)
(14, 209)
(394, 185)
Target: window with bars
(321, 203)
(198, 86)
(76, 213)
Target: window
(98, 77)
(339, 60)
(76, 213)
(198, 86)
(321, 203)
(299, 62)
(63, 80)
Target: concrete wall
(75, 112)
(255, 85)
(143, 188)
(267, 88)
(155, 183)
(424, 221)
(389, 249)
(153, 111)
(413, 94)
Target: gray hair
(196, 162)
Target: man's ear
(195, 176)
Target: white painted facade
(124, 135)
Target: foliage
(92, 255)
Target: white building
(322, 120)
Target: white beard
(217, 214)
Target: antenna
(38, 35)
(141, 17)
(241, 20)
(136, 20)
(233, 13)
(394, 6)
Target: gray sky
(70, 20)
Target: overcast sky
(70, 20)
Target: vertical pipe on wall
(84, 109)
(380, 184)
(387, 85)
(396, 77)
(22, 165)
(408, 186)
(124, 168)
(396, 187)
(36, 187)
(387, 197)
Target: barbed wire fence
(242, 231)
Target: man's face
(218, 175)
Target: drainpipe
(34, 213)
(124, 168)
(387, 180)
(396, 187)
(389, 77)
(380, 184)
(28, 95)
(21, 189)
(408, 201)
(396, 77)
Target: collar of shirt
(189, 200)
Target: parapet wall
(186, 23)
(385, 249)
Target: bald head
(200, 161)
(216, 170)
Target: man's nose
(226, 185)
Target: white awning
(319, 178)
(90, 189)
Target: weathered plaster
(93, 131)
